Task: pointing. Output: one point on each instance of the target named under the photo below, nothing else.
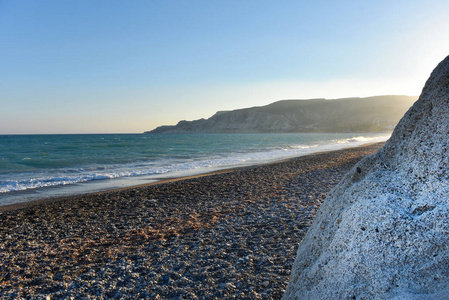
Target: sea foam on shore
(57, 165)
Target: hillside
(379, 113)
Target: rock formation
(383, 232)
(378, 113)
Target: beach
(230, 234)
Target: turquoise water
(33, 163)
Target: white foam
(173, 168)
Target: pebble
(208, 237)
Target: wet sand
(231, 234)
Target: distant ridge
(371, 114)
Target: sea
(35, 167)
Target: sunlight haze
(130, 66)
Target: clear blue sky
(129, 66)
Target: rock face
(378, 113)
(383, 232)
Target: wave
(176, 165)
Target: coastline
(229, 234)
(154, 181)
(108, 164)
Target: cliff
(379, 113)
(383, 232)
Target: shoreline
(74, 177)
(233, 234)
(162, 180)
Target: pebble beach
(228, 235)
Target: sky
(91, 66)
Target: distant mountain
(379, 113)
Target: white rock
(383, 232)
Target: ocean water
(40, 166)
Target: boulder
(383, 231)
